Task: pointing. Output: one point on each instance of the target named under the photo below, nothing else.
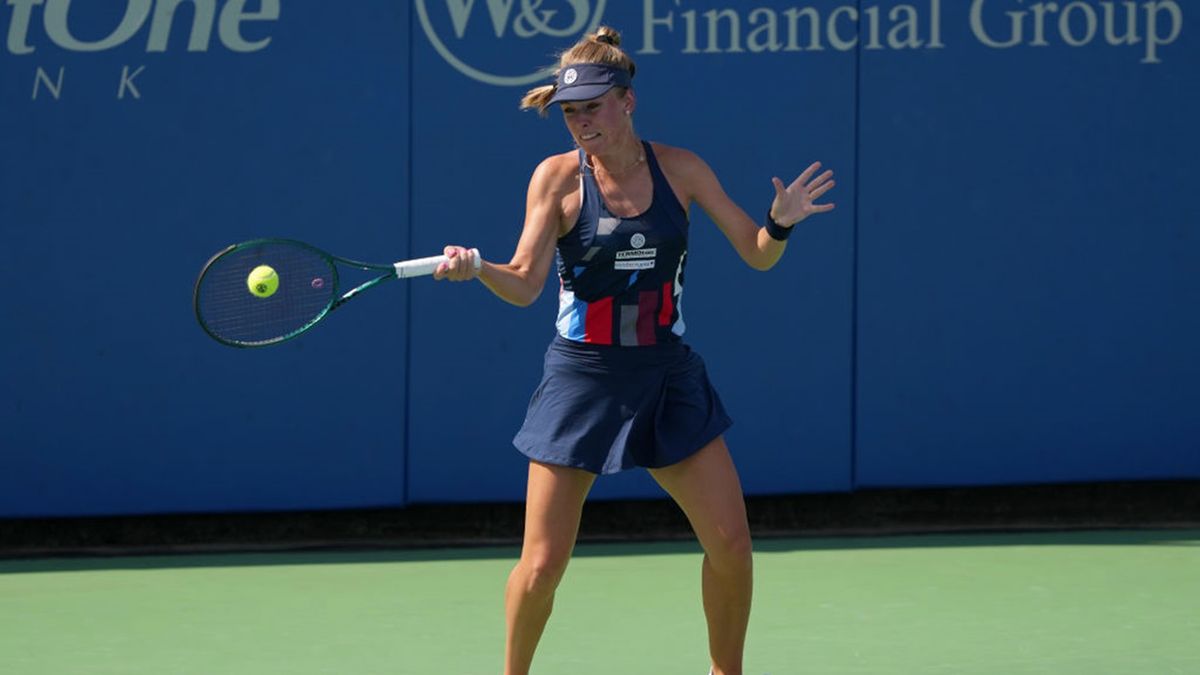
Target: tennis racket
(267, 291)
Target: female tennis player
(620, 388)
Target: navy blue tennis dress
(620, 388)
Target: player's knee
(732, 552)
(542, 573)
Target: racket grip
(425, 266)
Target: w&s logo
(506, 42)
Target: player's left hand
(796, 202)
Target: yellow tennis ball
(263, 281)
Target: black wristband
(775, 230)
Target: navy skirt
(608, 408)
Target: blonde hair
(603, 46)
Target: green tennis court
(1076, 602)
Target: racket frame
(399, 270)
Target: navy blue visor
(585, 81)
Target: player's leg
(553, 505)
(707, 488)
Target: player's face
(598, 123)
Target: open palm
(797, 201)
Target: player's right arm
(521, 280)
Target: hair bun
(608, 36)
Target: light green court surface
(1054, 603)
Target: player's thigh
(707, 488)
(553, 506)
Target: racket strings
(230, 312)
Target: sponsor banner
(497, 42)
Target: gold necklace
(641, 158)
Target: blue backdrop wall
(1006, 293)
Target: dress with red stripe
(621, 279)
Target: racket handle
(425, 266)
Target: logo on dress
(636, 259)
(638, 240)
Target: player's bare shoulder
(678, 161)
(684, 169)
(554, 188)
(557, 174)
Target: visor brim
(583, 92)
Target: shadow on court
(376, 554)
